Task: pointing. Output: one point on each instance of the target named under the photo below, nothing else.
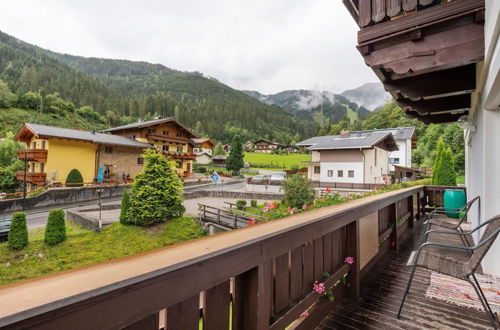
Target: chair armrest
(444, 232)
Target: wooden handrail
(121, 292)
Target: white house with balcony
(358, 157)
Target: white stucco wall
(357, 167)
(375, 170)
(483, 147)
(404, 154)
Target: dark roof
(267, 141)
(147, 123)
(352, 141)
(399, 133)
(95, 137)
(202, 140)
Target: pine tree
(125, 208)
(55, 231)
(445, 174)
(156, 194)
(437, 160)
(18, 233)
(234, 161)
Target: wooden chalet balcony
(423, 51)
(180, 155)
(36, 178)
(35, 155)
(165, 138)
(260, 275)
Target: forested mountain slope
(126, 90)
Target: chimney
(92, 131)
(139, 120)
(345, 133)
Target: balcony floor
(381, 294)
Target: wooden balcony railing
(261, 275)
(36, 178)
(35, 155)
(165, 138)
(401, 16)
(180, 155)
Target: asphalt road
(38, 217)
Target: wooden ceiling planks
(439, 83)
(449, 103)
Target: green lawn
(263, 160)
(84, 247)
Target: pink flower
(393, 243)
(328, 190)
(275, 204)
(319, 287)
(349, 260)
(304, 206)
(251, 222)
(304, 314)
(289, 209)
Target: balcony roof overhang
(427, 60)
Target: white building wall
(375, 169)
(483, 145)
(404, 154)
(357, 167)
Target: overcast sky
(263, 45)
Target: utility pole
(25, 173)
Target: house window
(152, 130)
(140, 161)
(350, 174)
(317, 169)
(393, 160)
(42, 167)
(195, 150)
(108, 149)
(178, 135)
(33, 145)
(43, 144)
(330, 173)
(340, 173)
(166, 133)
(164, 148)
(179, 149)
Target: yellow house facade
(52, 152)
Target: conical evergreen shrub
(124, 208)
(437, 160)
(18, 233)
(55, 231)
(156, 194)
(74, 178)
(445, 174)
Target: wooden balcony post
(149, 323)
(353, 250)
(252, 298)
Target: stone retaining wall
(61, 196)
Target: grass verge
(84, 247)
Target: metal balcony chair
(439, 218)
(461, 269)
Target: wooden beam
(446, 82)
(450, 48)
(455, 102)
(436, 119)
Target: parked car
(4, 229)
(278, 176)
